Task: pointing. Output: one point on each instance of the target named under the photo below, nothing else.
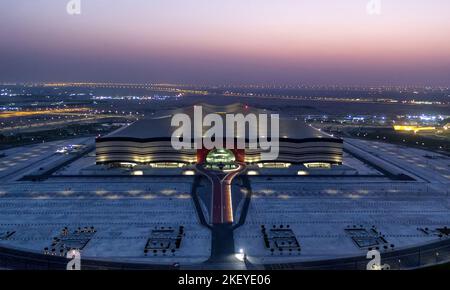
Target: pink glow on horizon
(289, 34)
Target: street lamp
(241, 255)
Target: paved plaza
(317, 210)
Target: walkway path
(222, 246)
(222, 206)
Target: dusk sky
(227, 41)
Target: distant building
(411, 128)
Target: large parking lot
(315, 211)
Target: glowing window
(318, 165)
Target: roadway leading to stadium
(222, 246)
(222, 208)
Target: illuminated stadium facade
(148, 141)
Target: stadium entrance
(221, 159)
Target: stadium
(148, 141)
